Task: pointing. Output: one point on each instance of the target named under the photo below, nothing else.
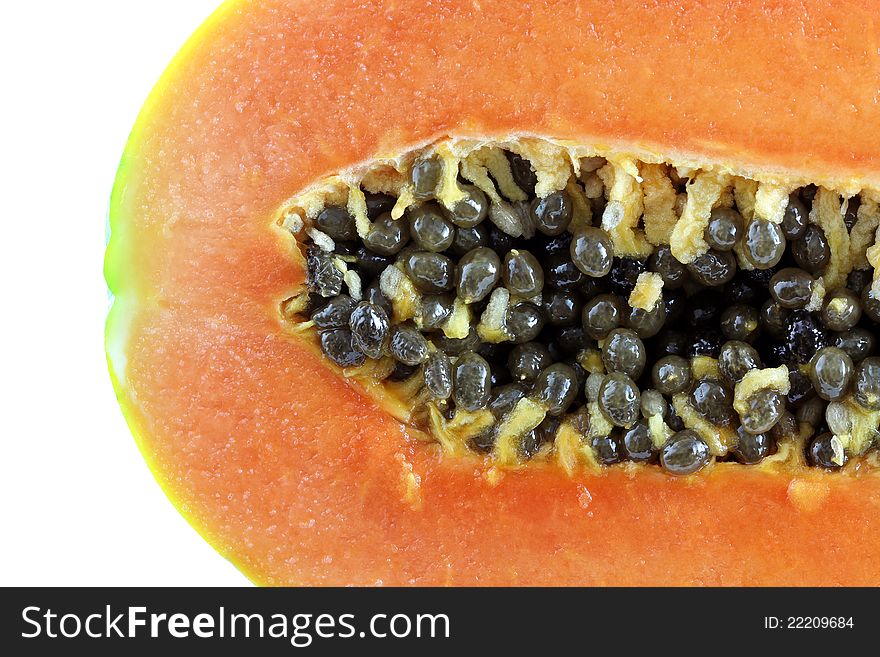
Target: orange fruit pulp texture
(296, 475)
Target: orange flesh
(297, 476)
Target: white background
(79, 506)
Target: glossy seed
(562, 308)
(468, 239)
(499, 241)
(435, 310)
(472, 385)
(684, 453)
(552, 214)
(592, 251)
(429, 229)
(736, 359)
(323, 276)
(764, 244)
(751, 448)
(369, 328)
(338, 346)
(786, 428)
(547, 245)
(378, 204)
(522, 273)
(776, 353)
(430, 272)
(335, 221)
(407, 345)
(674, 421)
(741, 290)
(800, 388)
(556, 388)
(763, 410)
(646, 323)
(580, 373)
(804, 336)
(607, 449)
(544, 433)
(870, 305)
(812, 412)
(623, 351)
(653, 403)
(511, 220)
(807, 193)
(704, 342)
(638, 445)
(859, 279)
(484, 442)
(505, 398)
(858, 342)
(713, 268)
(740, 322)
(402, 372)
(624, 274)
(602, 314)
(662, 262)
(457, 346)
(724, 229)
(826, 451)
(671, 343)
(592, 386)
(527, 360)
(811, 252)
(369, 262)
(774, 318)
(425, 177)
(671, 375)
(841, 311)
(335, 313)
(866, 383)
(373, 294)
(477, 274)
(791, 287)
(619, 399)
(796, 218)
(567, 341)
(674, 302)
(560, 273)
(345, 248)
(472, 209)
(438, 375)
(713, 401)
(831, 370)
(704, 308)
(851, 214)
(523, 174)
(387, 236)
(524, 322)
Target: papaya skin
(292, 472)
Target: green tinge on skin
(128, 290)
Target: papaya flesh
(298, 473)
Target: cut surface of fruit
(369, 345)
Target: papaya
(481, 293)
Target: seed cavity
(525, 301)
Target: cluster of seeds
(570, 340)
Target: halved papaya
(724, 144)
